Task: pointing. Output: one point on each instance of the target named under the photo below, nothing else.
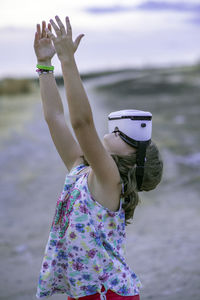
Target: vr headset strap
(127, 139)
(140, 161)
(141, 154)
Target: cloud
(178, 7)
(174, 6)
(106, 9)
(146, 5)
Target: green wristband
(49, 68)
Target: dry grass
(13, 86)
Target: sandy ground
(163, 245)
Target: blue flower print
(61, 255)
(96, 238)
(86, 276)
(80, 227)
(72, 281)
(79, 259)
(67, 187)
(123, 290)
(75, 248)
(91, 221)
(133, 276)
(107, 246)
(44, 294)
(53, 242)
(123, 226)
(59, 270)
(121, 215)
(84, 189)
(91, 289)
(103, 235)
(120, 241)
(115, 281)
(40, 281)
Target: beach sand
(162, 246)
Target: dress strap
(121, 203)
(122, 195)
(122, 188)
(76, 170)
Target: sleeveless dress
(86, 246)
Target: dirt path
(163, 245)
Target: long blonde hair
(152, 176)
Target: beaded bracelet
(40, 71)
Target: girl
(84, 256)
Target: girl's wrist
(67, 59)
(67, 62)
(44, 67)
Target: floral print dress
(86, 246)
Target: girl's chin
(106, 135)
(105, 145)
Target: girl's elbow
(78, 123)
(81, 123)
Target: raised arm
(81, 117)
(68, 149)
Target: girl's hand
(63, 43)
(43, 46)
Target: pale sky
(24, 13)
(117, 32)
(27, 13)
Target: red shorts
(110, 295)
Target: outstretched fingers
(55, 27)
(49, 27)
(44, 34)
(69, 28)
(60, 24)
(37, 35)
(39, 31)
(35, 43)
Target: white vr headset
(135, 128)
